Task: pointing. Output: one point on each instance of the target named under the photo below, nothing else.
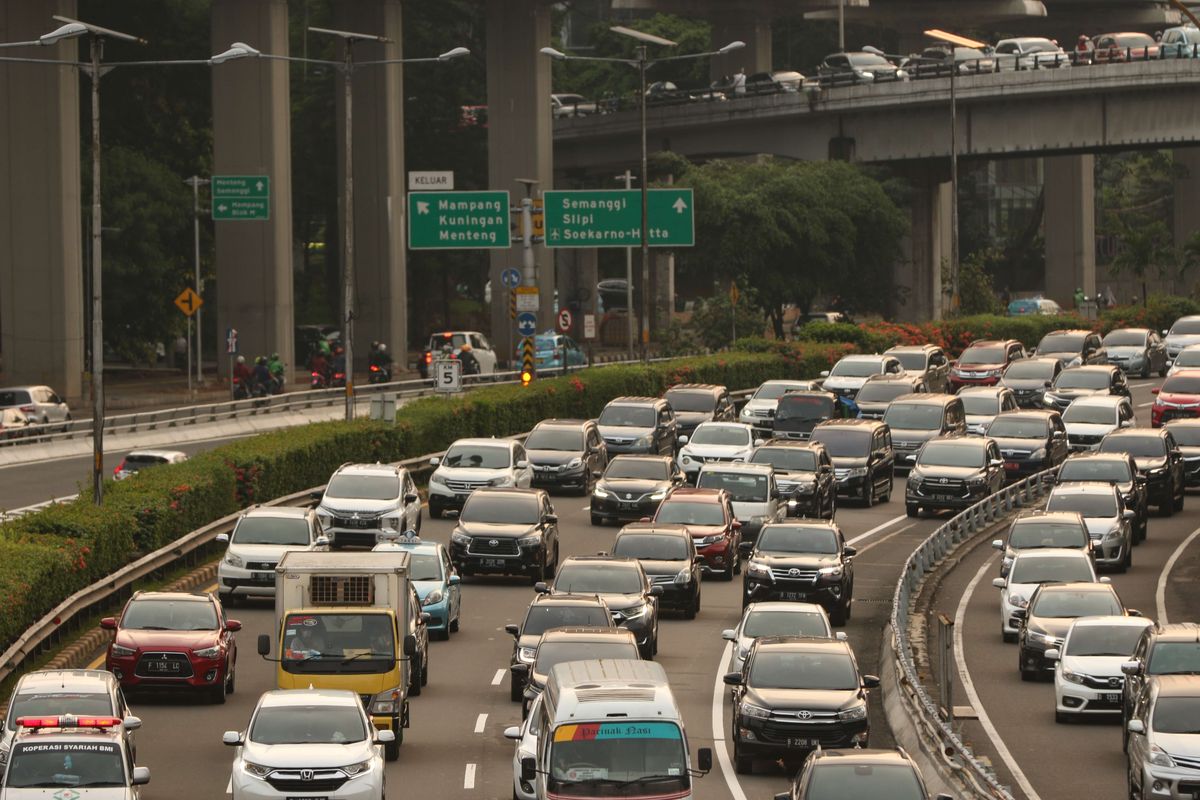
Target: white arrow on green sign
(241, 197)
(458, 220)
(613, 218)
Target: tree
(1136, 194)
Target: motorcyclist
(339, 360)
(276, 368)
(382, 359)
(470, 364)
(261, 375)
(241, 376)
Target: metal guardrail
(924, 560)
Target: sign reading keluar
(458, 220)
(613, 218)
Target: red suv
(708, 516)
(173, 640)
(983, 362)
(1177, 398)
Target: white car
(715, 441)
(1087, 675)
(305, 740)
(138, 460)
(1108, 522)
(1030, 52)
(1163, 750)
(760, 408)
(981, 404)
(752, 487)
(40, 403)
(1030, 569)
(1187, 358)
(471, 464)
(851, 372)
(365, 504)
(1090, 419)
(1184, 332)
(526, 737)
(776, 618)
(259, 539)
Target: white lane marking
(1160, 592)
(718, 729)
(973, 696)
(229, 786)
(588, 507)
(469, 777)
(1145, 405)
(480, 721)
(499, 676)
(877, 529)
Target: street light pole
(196, 182)
(645, 184)
(630, 326)
(97, 306)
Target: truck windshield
(324, 643)
(617, 759)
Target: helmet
(260, 360)
(241, 359)
(1083, 37)
(338, 350)
(274, 356)
(466, 348)
(382, 347)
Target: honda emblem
(306, 774)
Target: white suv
(40, 403)
(259, 539)
(365, 504)
(752, 487)
(471, 464)
(715, 441)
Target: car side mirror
(551, 519)
(1105, 579)
(221, 538)
(264, 644)
(410, 645)
(512, 630)
(520, 670)
(997, 544)
(737, 524)
(683, 439)
(522, 464)
(698, 560)
(729, 634)
(1132, 612)
(1136, 726)
(1128, 514)
(840, 636)
(1131, 667)
(141, 776)
(999, 583)
(321, 541)
(746, 548)
(656, 591)
(704, 758)
(1164, 333)
(824, 373)
(1053, 654)
(426, 616)
(454, 580)
(109, 623)
(1058, 435)
(528, 769)
(433, 462)
(1047, 384)
(411, 498)
(870, 681)
(231, 738)
(849, 551)
(759, 442)
(1020, 613)
(732, 678)
(384, 736)
(512, 732)
(131, 723)
(541, 587)
(233, 625)
(1156, 390)
(996, 462)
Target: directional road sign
(613, 218)
(564, 321)
(458, 220)
(188, 302)
(241, 197)
(511, 278)
(526, 323)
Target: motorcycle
(339, 380)
(276, 385)
(319, 380)
(240, 390)
(379, 374)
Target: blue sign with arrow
(526, 323)
(510, 278)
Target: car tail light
(374, 368)
(428, 357)
(28, 409)
(117, 469)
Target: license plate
(262, 577)
(1011, 465)
(802, 742)
(162, 666)
(493, 563)
(629, 506)
(943, 497)
(306, 797)
(1111, 697)
(793, 595)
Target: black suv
(668, 556)
(1121, 471)
(639, 425)
(953, 472)
(864, 462)
(804, 475)
(798, 412)
(796, 694)
(926, 361)
(566, 454)
(879, 391)
(1172, 649)
(1187, 436)
(694, 403)
(1029, 378)
(807, 562)
(633, 487)
(837, 774)
(1030, 441)
(623, 585)
(1075, 382)
(546, 612)
(1158, 459)
(1073, 348)
(506, 532)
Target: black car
(1030, 441)
(798, 412)
(546, 612)
(506, 532)
(794, 695)
(1139, 350)
(879, 391)
(639, 425)
(1075, 382)
(953, 472)
(1029, 378)
(864, 462)
(1051, 610)
(838, 774)
(566, 454)
(1187, 436)
(633, 487)
(1121, 471)
(1171, 649)
(804, 475)
(1073, 348)
(623, 585)
(668, 556)
(841, 69)
(694, 403)
(1158, 459)
(805, 562)
(928, 362)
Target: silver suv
(364, 504)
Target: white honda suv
(471, 464)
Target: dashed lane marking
(718, 730)
(499, 676)
(480, 722)
(469, 777)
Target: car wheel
(597, 520)
(839, 615)
(231, 683)
(727, 575)
(868, 494)
(538, 575)
(435, 511)
(1146, 370)
(694, 608)
(742, 765)
(887, 497)
(391, 750)
(1179, 499)
(1061, 718)
(425, 670)
(1026, 674)
(229, 599)
(414, 679)
(1128, 562)
(912, 509)
(216, 694)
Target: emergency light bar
(68, 721)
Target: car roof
(1075, 331)
(1050, 552)
(1107, 400)
(567, 600)
(892, 377)
(864, 758)
(864, 357)
(993, 342)
(737, 467)
(619, 561)
(562, 423)
(631, 400)
(513, 491)
(741, 426)
(1177, 631)
(278, 512)
(793, 443)
(1189, 372)
(168, 454)
(958, 440)
(993, 390)
(801, 644)
(790, 606)
(276, 698)
(696, 494)
(1029, 413)
(480, 440)
(641, 457)
(659, 528)
(1049, 361)
(83, 681)
(696, 387)
(1084, 487)
(1130, 433)
(184, 597)
(806, 523)
(1039, 515)
(1076, 586)
(1112, 619)
(1093, 368)
(926, 398)
(1128, 330)
(911, 348)
(851, 423)
(581, 633)
(1175, 685)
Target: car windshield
(784, 623)
(1006, 427)
(1177, 715)
(628, 416)
(49, 704)
(683, 400)
(471, 456)
(774, 391)
(797, 539)
(1125, 339)
(1175, 658)
(1185, 435)
(1041, 46)
(1136, 446)
(1028, 369)
(856, 368)
(1082, 379)
(503, 509)
(1088, 414)
(323, 642)
(598, 578)
(911, 359)
(170, 615)
(1188, 358)
(1040, 533)
(50, 764)
(1181, 384)
(271, 530)
(1184, 327)
(685, 512)
(139, 461)
(788, 459)
(863, 782)
(351, 486)
(1103, 640)
(652, 546)
(742, 487)
(721, 435)
(883, 391)
(1074, 603)
(551, 653)
(914, 416)
(983, 355)
(307, 725)
(811, 407)
(1052, 568)
(424, 566)
(843, 443)
(947, 454)
(1087, 469)
(781, 669)
(542, 618)
(569, 440)
(453, 340)
(868, 60)
(617, 759)
(1061, 343)
(645, 469)
(980, 404)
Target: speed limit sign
(564, 321)
(448, 374)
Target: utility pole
(630, 328)
(645, 215)
(196, 182)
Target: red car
(173, 640)
(983, 362)
(708, 515)
(1178, 398)
(1115, 47)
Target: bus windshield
(612, 759)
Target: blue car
(548, 351)
(438, 585)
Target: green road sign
(458, 220)
(613, 218)
(241, 197)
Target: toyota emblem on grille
(804, 714)
(306, 774)
(493, 542)
(794, 573)
(944, 480)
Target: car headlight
(1049, 399)
(527, 654)
(1159, 758)
(118, 651)
(633, 612)
(208, 652)
(433, 598)
(438, 479)
(643, 441)
(901, 74)
(1039, 454)
(684, 577)
(533, 540)
(831, 572)
(503, 480)
(1113, 533)
(358, 769)
(1041, 638)
(602, 493)
(1157, 472)
(1075, 362)
(758, 568)
(1071, 677)
(659, 495)
(853, 713)
(686, 459)
(458, 537)
(977, 481)
(386, 702)
(868, 75)
(235, 560)
(856, 472)
(1018, 601)
(750, 710)
(806, 488)
(575, 463)
(256, 770)
(706, 540)
(393, 522)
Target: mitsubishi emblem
(306, 774)
(493, 542)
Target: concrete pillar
(381, 297)
(252, 136)
(41, 256)
(918, 276)
(576, 281)
(520, 138)
(1070, 226)
(662, 280)
(1187, 194)
(744, 25)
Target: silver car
(40, 403)
(1107, 520)
(776, 618)
(1163, 750)
(526, 737)
(983, 403)
(1184, 332)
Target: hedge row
(47, 556)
